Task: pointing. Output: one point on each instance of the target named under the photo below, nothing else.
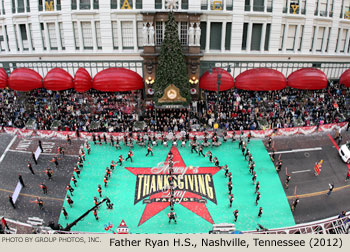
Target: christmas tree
(171, 63)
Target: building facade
(244, 34)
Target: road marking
(308, 195)
(334, 143)
(301, 171)
(49, 154)
(31, 195)
(337, 147)
(7, 149)
(298, 150)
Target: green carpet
(121, 190)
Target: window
(2, 43)
(87, 35)
(258, 5)
(329, 36)
(62, 36)
(84, 5)
(229, 4)
(115, 34)
(20, 6)
(127, 35)
(158, 4)
(302, 6)
(7, 37)
(42, 28)
(247, 5)
(269, 5)
(313, 38)
(139, 34)
(267, 37)
(228, 36)
(52, 36)
(330, 10)
(76, 35)
(74, 4)
(282, 36)
(346, 8)
(320, 37)
(96, 4)
(98, 35)
(2, 8)
(22, 28)
(2, 40)
(184, 4)
(300, 37)
(16, 38)
(215, 36)
(203, 35)
(204, 4)
(244, 37)
(31, 35)
(13, 2)
(138, 4)
(159, 32)
(114, 4)
(256, 37)
(183, 33)
(342, 40)
(338, 37)
(323, 7)
(292, 29)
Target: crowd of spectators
(286, 108)
(118, 112)
(69, 110)
(169, 119)
(12, 113)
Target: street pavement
(15, 163)
(312, 190)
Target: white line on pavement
(53, 154)
(7, 149)
(301, 171)
(298, 150)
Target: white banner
(17, 191)
(37, 153)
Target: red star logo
(198, 206)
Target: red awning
(82, 80)
(58, 79)
(345, 78)
(24, 79)
(117, 80)
(261, 79)
(3, 78)
(308, 78)
(208, 81)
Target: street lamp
(218, 83)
